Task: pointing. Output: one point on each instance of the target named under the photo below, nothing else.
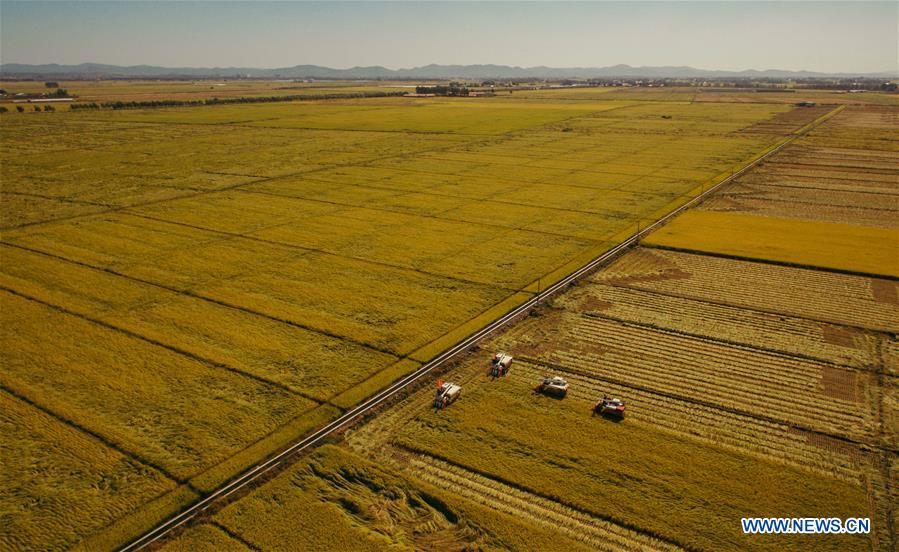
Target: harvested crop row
(764, 438)
(863, 161)
(813, 178)
(383, 427)
(772, 191)
(788, 334)
(882, 218)
(793, 390)
(787, 122)
(597, 533)
(798, 292)
(505, 431)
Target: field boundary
(380, 397)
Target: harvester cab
(610, 407)
(554, 385)
(500, 364)
(447, 392)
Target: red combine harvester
(610, 407)
(500, 364)
(447, 392)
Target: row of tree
(35, 108)
(223, 101)
(451, 89)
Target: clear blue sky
(846, 36)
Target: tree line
(223, 101)
(451, 89)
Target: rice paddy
(188, 290)
(754, 387)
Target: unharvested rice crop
(60, 484)
(174, 413)
(206, 537)
(845, 247)
(336, 500)
(235, 339)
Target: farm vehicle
(554, 386)
(610, 407)
(447, 392)
(500, 364)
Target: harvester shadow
(537, 391)
(607, 416)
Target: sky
(832, 36)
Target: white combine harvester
(554, 386)
(500, 364)
(447, 392)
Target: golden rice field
(753, 387)
(185, 291)
(502, 435)
(844, 172)
(797, 401)
(802, 243)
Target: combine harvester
(500, 364)
(447, 392)
(613, 408)
(554, 386)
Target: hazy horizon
(827, 37)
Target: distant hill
(481, 72)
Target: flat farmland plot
(60, 483)
(742, 432)
(805, 393)
(271, 350)
(361, 303)
(804, 293)
(196, 285)
(143, 90)
(802, 243)
(847, 183)
(337, 500)
(832, 343)
(654, 485)
(458, 116)
(178, 414)
(868, 208)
